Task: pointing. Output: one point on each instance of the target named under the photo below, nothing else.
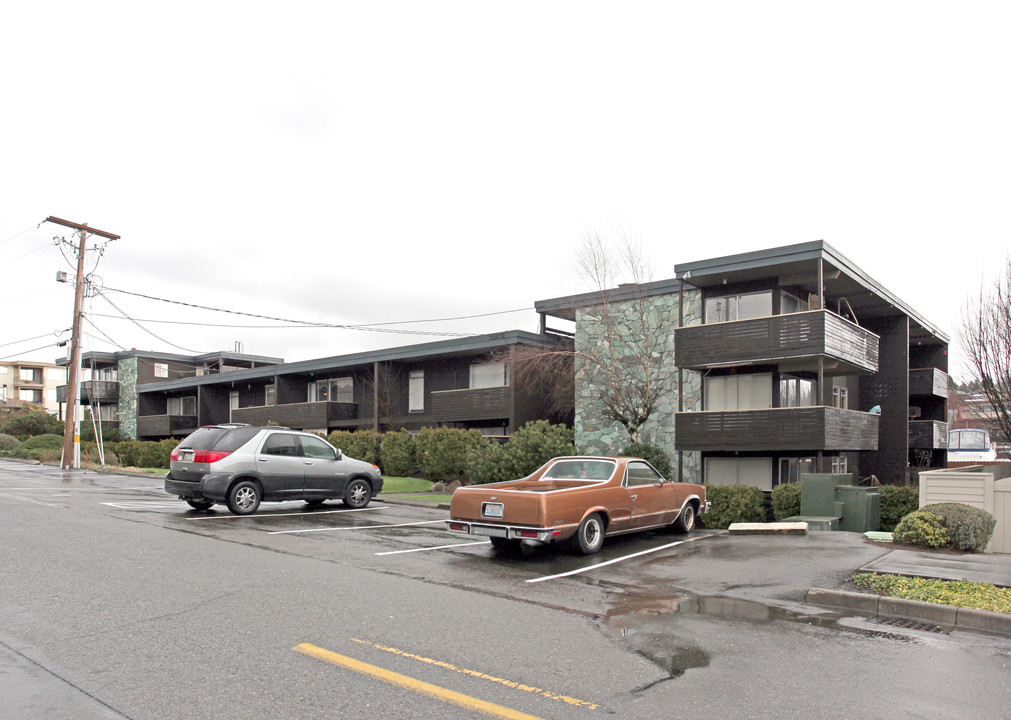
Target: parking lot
(125, 597)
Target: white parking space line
(298, 514)
(357, 527)
(437, 547)
(142, 505)
(28, 500)
(610, 562)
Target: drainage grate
(907, 624)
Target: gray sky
(377, 162)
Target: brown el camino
(582, 499)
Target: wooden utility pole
(72, 426)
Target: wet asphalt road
(118, 601)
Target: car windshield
(580, 470)
(219, 438)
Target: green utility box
(833, 502)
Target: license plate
(185, 455)
(492, 510)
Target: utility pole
(72, 426)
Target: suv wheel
(357, 494)
(244, 498)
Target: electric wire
(20, 233)
(195, 352)
(25, 352)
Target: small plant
(786, 500)
(731, 504)
(969, 528)
(923, 529)
(959, 593)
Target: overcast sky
(379, 162)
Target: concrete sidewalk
(994, 569)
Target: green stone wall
(128, 397)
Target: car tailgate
(509, 507)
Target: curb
(879, 606)
(411, 503)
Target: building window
(488, 375)
(110, 374)
(840, 397)
(182, 405)
(791, 304)
(3, 370)
(336, 390)
(27, 375)
(29, 395)
(270, 395)
(108, 413)
(797, 392)
(3, 394)
(416, 391)
(161, 370)
(740, 471)
(790, 469)
(739, 392)
(739, 307)
(840, 465)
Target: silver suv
(243, 465)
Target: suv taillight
(209, 456)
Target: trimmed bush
(488, 463)
(969, 528)
(8, 443)
(897, 501)
(535, 443)
(143, 454)
(786, 500)
(397, 453)
(734, 503)
(32, 422)
(361, 444)
(48, 441)
(654, 455)
(923, 529)
(442, 452)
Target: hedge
(786, 500)
(397, 454)
(8, 443)
(969, 528)
(526, 450)
(734, 503)
(897, 501)
(442, 452)
(361, 444)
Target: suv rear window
(219, 438)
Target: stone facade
(595, 432)
(127, 370)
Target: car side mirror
(340, 455)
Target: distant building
(28, 382)
(788, 360)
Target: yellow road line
(410, 683)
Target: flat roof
(152, 355)
(471, 345)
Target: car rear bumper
(510, 532)
(212, 486)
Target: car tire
(200, 504)
(357, 494)
(685, 522)
(244, 497)
(590, 535)
(505, 545)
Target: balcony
(928, 435)
(928, 381)
(804, 429)
(489, 403)
(316, 415)
(92, 391)
(777, 338)
(149, 426)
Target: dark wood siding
(780, 337)
(928, 435)
(783, 429)
(104, 391)
(315, 415)
(928, 381)
(466, 405)
(153, 426)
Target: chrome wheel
(357, 494)
(244, 498)
(686, 520)
(590, 535)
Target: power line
(55, 333)
(195, 352)
(37, 225)
(371, 327)
(25, 352)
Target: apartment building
(29, 382)
(788, 360)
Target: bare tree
(985, 338)
(627, 356)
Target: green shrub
(29, 423)
(534, 444)
(361, 444)
(734, 503)
(654, 455)
(969, 528)
(959, 593)
(397, 453)
(897, 501)
(923, 529)
(786, 500)
(487, 463)
(48, 441)
(143, 453)
(8, 443)
(442, 452)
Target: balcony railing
(489, 403)
(928, 435)
(776, 429)
(928, 381)
(315, 415)
(775, 338)
(165, 425)
(104, 391)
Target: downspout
(681, 376)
